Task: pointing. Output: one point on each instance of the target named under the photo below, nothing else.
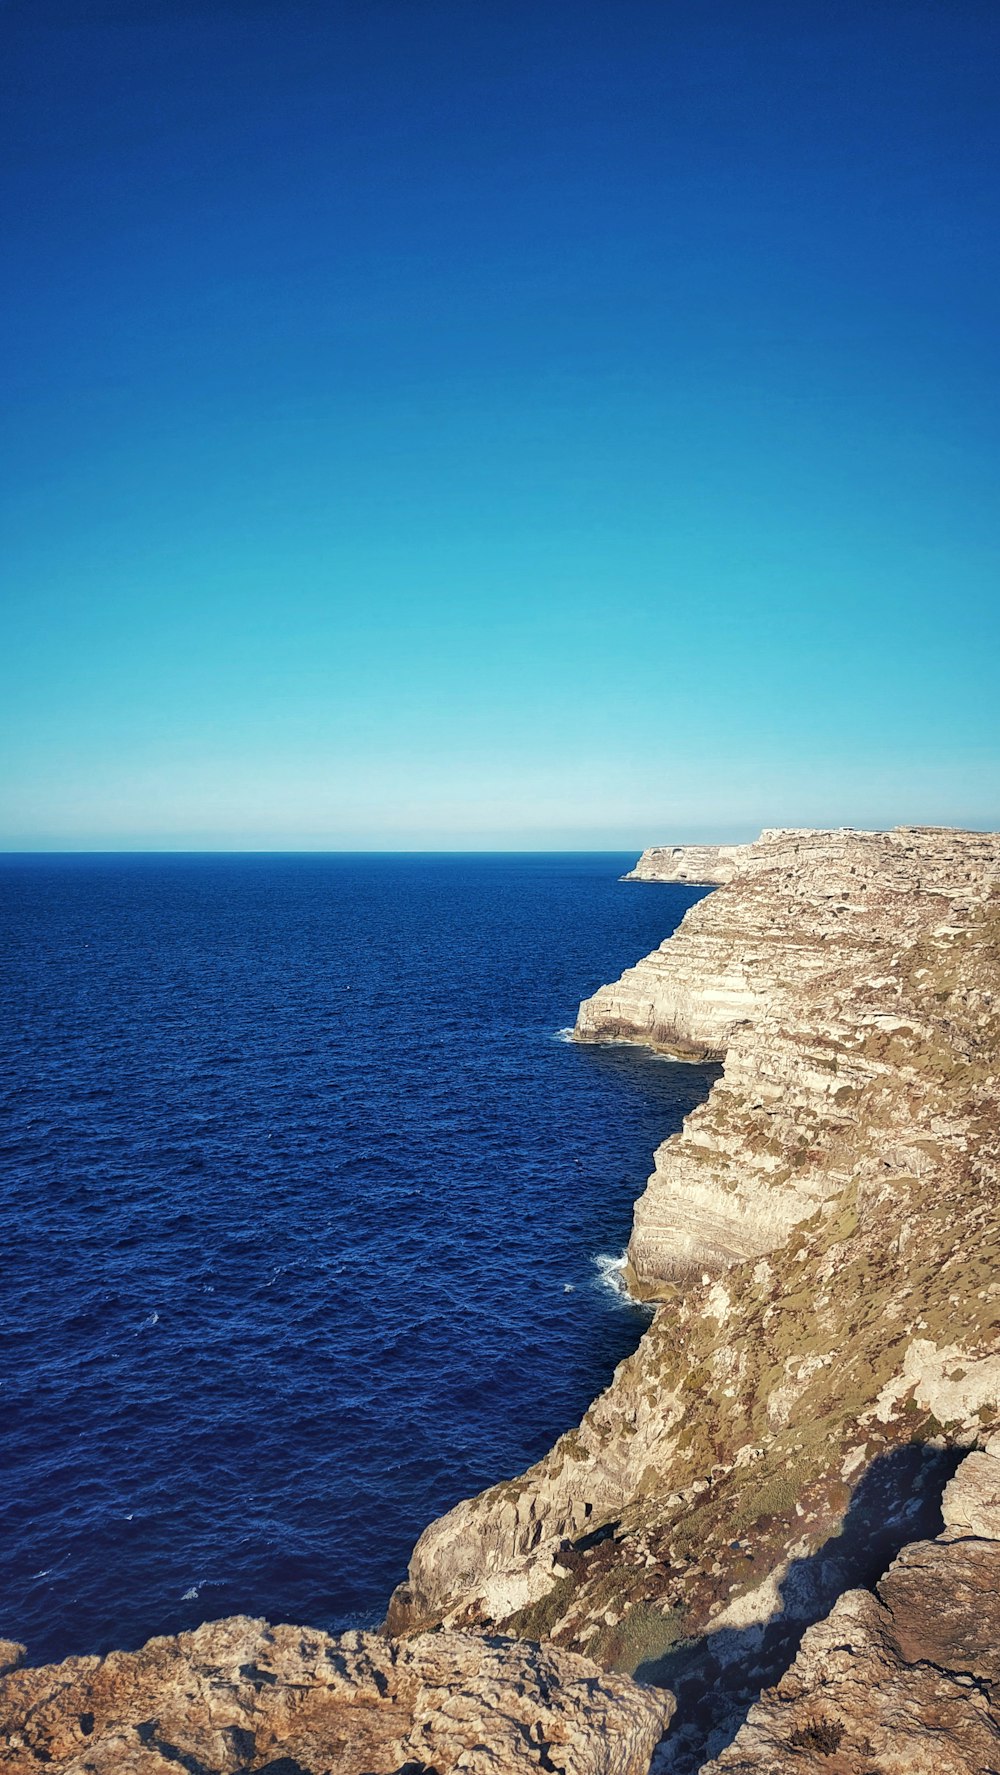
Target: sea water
(309, 1219)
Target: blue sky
(436, 424)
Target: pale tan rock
(786, 974)
(237, 1695)
(971, 1502)
(704, 865)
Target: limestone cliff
(701, 864)
(822, 1239)
(237, 1696)
(790, 973)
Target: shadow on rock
(717, 1678)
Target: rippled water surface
(301, 1212)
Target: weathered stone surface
(971, 1502)
(702, 864)
(838, 1321)
(237, 1695)
(903, 1682)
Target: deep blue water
(301, 1204)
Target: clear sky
(530, 423)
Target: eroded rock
(971, 1501)
(237, 1695)
(902, 1682)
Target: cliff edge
(804, 976)
(702, 865)
(822, 1243)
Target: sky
(496, 423)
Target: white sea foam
(154, 1319)
(563, 1035)
(202, 1584)
(611, 1273)
(611, 1276)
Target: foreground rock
(705, 865)
(822, 1240)
(905, 1681)
(237, 1695)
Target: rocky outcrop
(905, 1681)
(236, 1696)
(703, 865)
(822, 1241)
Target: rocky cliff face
(705, 865)
(237, 1696)
(905, 1681)
(791, 974)
(822, 1239)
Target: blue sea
(308, 1216)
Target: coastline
(848, 979)
(819, 1245)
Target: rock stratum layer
(705, 865)
(803, 974)
(237, 1696)
(821, 1241)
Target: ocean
(309, 1216)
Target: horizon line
(315, 851)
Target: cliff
(822, 1240)
(795, 975)
(705, 865)
(903, 1679)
